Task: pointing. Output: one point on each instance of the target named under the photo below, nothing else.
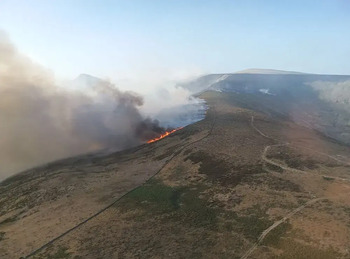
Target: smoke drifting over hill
(40, 121)
(334, 92)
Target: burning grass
(167, 133)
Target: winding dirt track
(276, 224)
(289, 215)
(292, 213)
(264, 158)
(315, 151)
(284, 167)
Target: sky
(178, 39)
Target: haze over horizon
(162, 41)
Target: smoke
(334, 92)
(41, 122)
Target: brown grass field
(238, 184)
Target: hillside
(320, 102)
(245, 182)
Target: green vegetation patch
(8, 220)
(59, 253)
(293, 159)
(196, 211)
(328, 178)
(188, 132)
(221, 171)
(2, 235)
(155, 195)
(274, 168)
(187, 151)
(346, 210)
(252, 226)
(273, 238)
(215, 169)
(295, 250)
(166, 154)
(182, 204)
(254, 223)
(295, 244)
(18, 179)
(274, 183)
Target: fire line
(167, 133)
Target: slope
(224, 185)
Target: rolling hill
(266, 174)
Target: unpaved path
(264, 158)
(284, 167)
(315, 151)
(292, 213)
(276, 224)
(259, 131)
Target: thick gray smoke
(41, 122)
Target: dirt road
(276, 224)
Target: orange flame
(167, 133)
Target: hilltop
(320, 102)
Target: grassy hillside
(238, 184)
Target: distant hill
(266, 71)
(84, 82)
(87, 79)
(317, 101)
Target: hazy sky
(120, 39)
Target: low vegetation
(274, 237)
(60, 252)
(8, 220)
(293, 249)
(292, 159)
(2, 235)
(221, 171)
(182, 204)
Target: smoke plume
(334, 92)
(41, 122)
